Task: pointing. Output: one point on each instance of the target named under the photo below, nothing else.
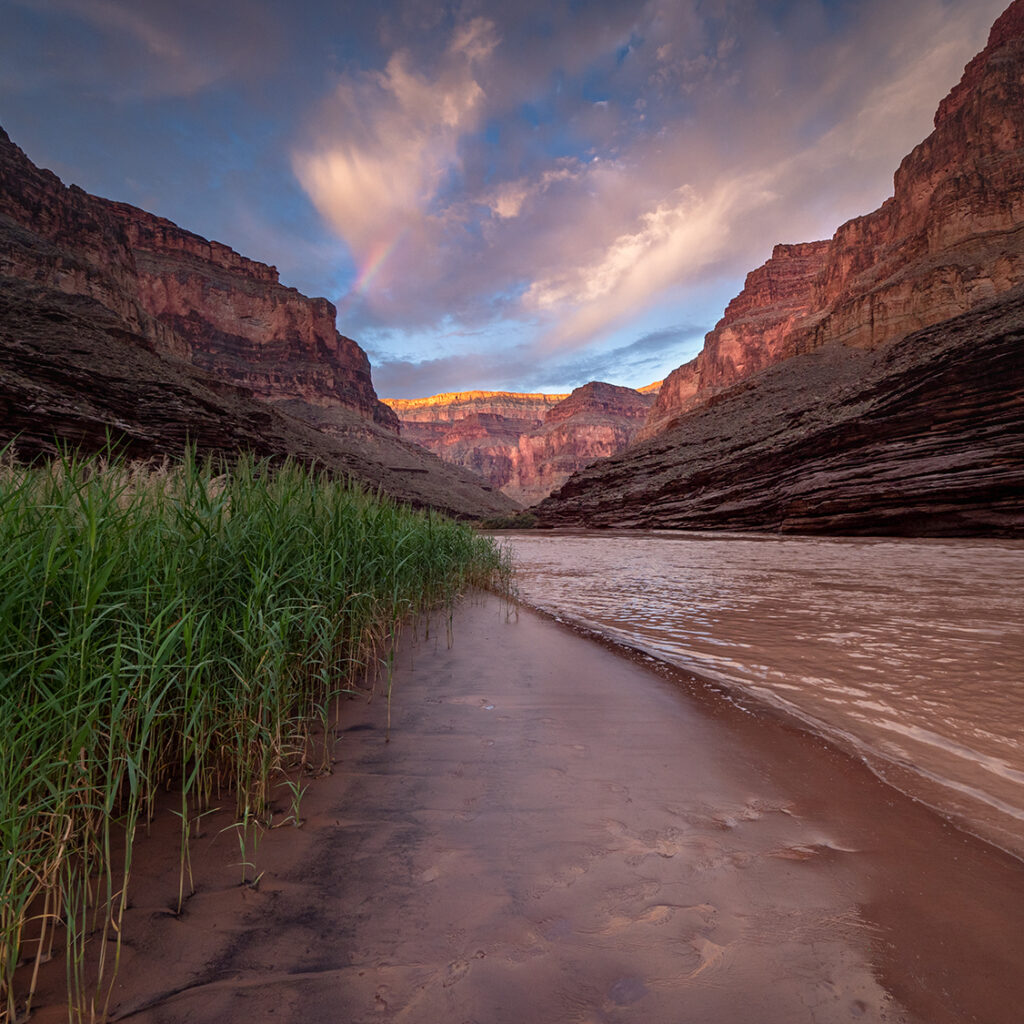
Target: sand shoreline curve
(556, 832)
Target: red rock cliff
(242, 324)
(751, 335)
(191, 298)
(525, 444)
(950, 238)
(595, 421)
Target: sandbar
(558, 833)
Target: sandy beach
(556, 832)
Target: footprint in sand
(657, 914)
(712, 955)
(456, 971)
(666, 848)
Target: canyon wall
(242, 324)
(195, 299)
(924, 437)
(872, 383)
(950, 238)
(525, 444)
(751, 334)
(118, 326)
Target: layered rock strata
(116, 326)
(923, 437)
(873, 383)
(523, 444)
(194, 299)
(950, 238)
(512, 406)
(242, 324)
(595, 421)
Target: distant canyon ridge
(868, 383)
(526, 445)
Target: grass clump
(184, 627)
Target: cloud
(509, 198)
(385, 143)
(406, 378)
(677, 240)
(665, 149)
(141, 49)
(641, 361)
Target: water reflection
(909, 651)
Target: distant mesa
(526, 445)
(445, 408)
(116, 324)
(872, 382)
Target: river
(909, 653)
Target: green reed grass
(177, 626)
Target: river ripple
(909, 652)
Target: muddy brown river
(909, 653)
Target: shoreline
(709, 688)
(556, 832)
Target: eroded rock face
(873, 383)
(119, 326)
(191, 298)
(242, 324)
(924, 437)
(950, 238)
(752, 333)
(523, 444)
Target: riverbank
(556, 833)
(905, 653)
(178, 628)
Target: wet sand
(558, 833)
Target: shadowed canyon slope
(525, 445)
(925, 436)
(115, 323)
(873, 382)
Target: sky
(496, 195)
